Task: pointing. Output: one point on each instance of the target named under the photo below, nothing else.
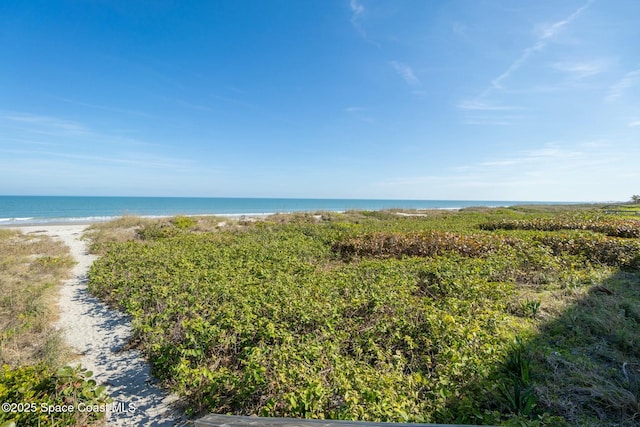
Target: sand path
(97, 333)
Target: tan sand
(98, 333)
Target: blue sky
(403, 99)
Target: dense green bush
(427, 243)
(39, 396)
(157, 231)
(598, 249)
(363, 316)
(266, 322)
(183, 222)
(615, 227)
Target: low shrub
(37, 395)
(611, 251)
(156, 231)
(183, 222)
(269, 319)
(421, 244)
(614, 227)
(256, 322)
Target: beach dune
(97, 336)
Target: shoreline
(86, 221)
(28, 221)
(45, 222)
(37, 210)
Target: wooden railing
(215, 420)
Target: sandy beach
(97, 334)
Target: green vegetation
(31, 349)
(615, 227)
(38, 395)
(434, 317)
(31, 267)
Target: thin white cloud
(406, 72)
(192, 106)
(487, 122)
(558, 171)
(634, 123)
(551, 153)
(618, 89)
(360, 113)
(357, 12)
(138, 160)
(46, 124)
(551, 160)
(583, 69)
(481, 113)
(21, 141)
(357, 9)
(546, 34)
(358, 15)
(483, 103)
(108, 108)
(550, 31)
(494, 163)
(474, 104)
(48, 130)
(452, 184)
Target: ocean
(25, 210)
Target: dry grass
(127, 228)
(587, 346)
(31, 268)
(130, 228)
(118, 230)
(209, 223)
(302, 217)
(549, 209)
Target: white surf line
(98, 333)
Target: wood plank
(215, 420)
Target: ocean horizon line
(311, 198)
(25, 210)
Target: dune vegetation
(32, 268)
(34, 377)
(482, 316)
